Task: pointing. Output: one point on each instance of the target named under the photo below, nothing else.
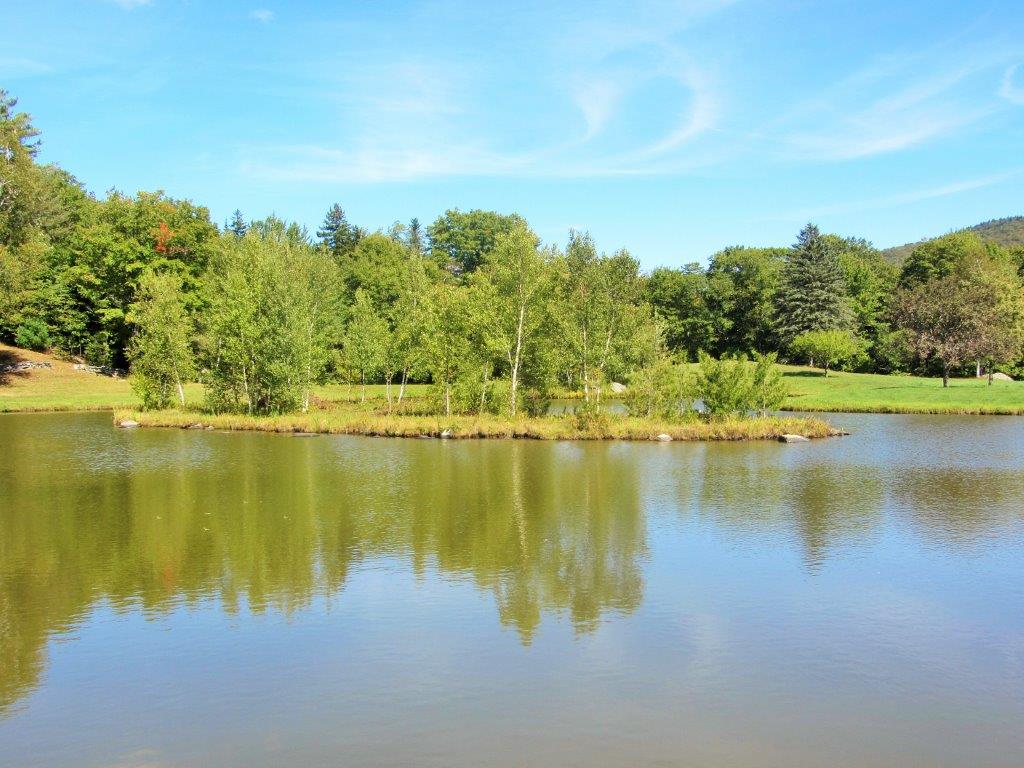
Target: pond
(183, 598)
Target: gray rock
(1000, 376)
(793, 439)
(446, 434)
(128, 424)
(617, 388)
(663, 438)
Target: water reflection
(153, 520)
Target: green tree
(366, 341)
(447, 349)
(812, 295)
(828, 349)
(601, 309)
(337, 235)
(460, 241)
(743, 284)
(237, 225)
(517, 284)
(269, 320)
(680, 297)
(415, 236)
(161, 348)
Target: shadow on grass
(9, 358)
(805, 374)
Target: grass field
(872, 393)
(61, 388)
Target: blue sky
(670, 128)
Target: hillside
(42, 382)
(1007, 232)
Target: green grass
(873, 393)
(62, 388)
(364, 420)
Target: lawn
(62, 388)
(873, 393)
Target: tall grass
(352, 421)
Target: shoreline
(771, 428)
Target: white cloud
(1012, 87)
(262, 15)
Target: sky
(672, 128)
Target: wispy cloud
(262, 15)
(15, 67)
(900, 199)
(1012, 86)
(890, 106)
(130, 5)
(411, 119)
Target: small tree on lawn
(828, 348)
(365, 342)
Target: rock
(617, 388)
(446, 434)
(663, 438)
(793, 439)
(128, 424)
(196, 426)
(1000, 376)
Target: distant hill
(1006, 232)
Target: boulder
(1000, 376)
(663, 438)
(617, 388)
(793, 439)
(446, 434)
(128, 424)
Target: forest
(260, 310)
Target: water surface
(182, 598)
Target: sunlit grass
(874, 393)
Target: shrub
(737, 386)
(33, 334)
(663, 390)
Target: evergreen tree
(337, 235)
(415, 235)
(812, 295)
(237, 226)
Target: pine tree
(237, 225)
(337, 235)
(415, 235)
(812, 295)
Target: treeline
(261, 310)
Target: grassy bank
(355, 421)
(62, 388)
(873, 393)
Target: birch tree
(520, 279)
(160, 351)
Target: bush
(737, 386)
(97, 350)
(33, 334)
(663, 390)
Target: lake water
(183, 598)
